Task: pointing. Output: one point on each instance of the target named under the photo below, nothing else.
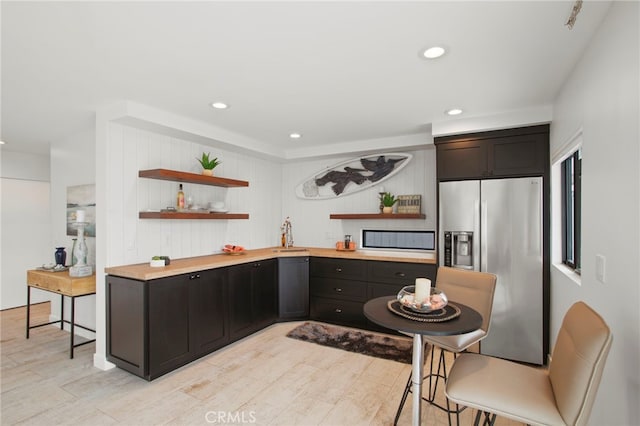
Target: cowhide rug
(373, 344)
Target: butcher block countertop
(144, 272)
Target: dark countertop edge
(144, 272)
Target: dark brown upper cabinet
(503, 153)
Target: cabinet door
(265, 292)
(209, 309)
(169, 343)
(519, 155)
(125, 324)
(240, 301)
(461, 160)
(293, 287)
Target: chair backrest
(471, 288)
(577, 362)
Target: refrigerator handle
(477, 253)
(483, 236)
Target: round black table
(377, 311)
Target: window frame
(571, 184)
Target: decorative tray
(447, 313)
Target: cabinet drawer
(400, 273)
(338, 268)
(340, 289)
(338, 311)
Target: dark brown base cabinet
(156, 326)
(253, 297)
(340, 287)
(293, 288)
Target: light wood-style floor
(265, 379)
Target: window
(571, 170)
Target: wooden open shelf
(176, 176)
(173, 175)
(188, 215)
(377, 216)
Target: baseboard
(100, 362)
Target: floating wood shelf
(173, 175)
(188, 215)
(378, 216)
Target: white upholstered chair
(563, 394)
(471, 288)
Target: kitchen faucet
(288, 233)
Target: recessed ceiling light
(219, 105)
(295, 135)
(1, 142)
(453, 111)
(433, 52)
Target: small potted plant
(388, 201)
(207, 164)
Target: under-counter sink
(291, 249)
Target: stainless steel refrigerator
(496, 226)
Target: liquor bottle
(180, 201)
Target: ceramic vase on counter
(60, 255)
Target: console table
(64, 285)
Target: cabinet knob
(194, 277)
(338, 310)
(400, 274)
(338, 269)
(338, 289)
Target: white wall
(601, 98)
(133, 240)
(310, 218)
(25, 224)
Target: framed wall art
(81, 198)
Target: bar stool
(471, 288)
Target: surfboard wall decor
(352, 176)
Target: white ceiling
(337, 72)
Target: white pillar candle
(423, 290)
(80, 216)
